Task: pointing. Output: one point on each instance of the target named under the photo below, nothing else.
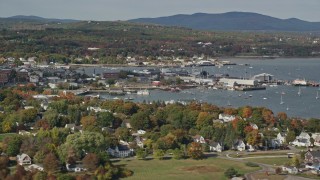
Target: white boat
(281, 101)
(265, 98)
(287, 108)
(299, 82)
(143, 92)
(229, 103)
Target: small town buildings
(264, 77)
(141, 132)
(317, 140)
(226, 117)
(215, 146)
(5, 76)
(281, 136)
(34, 167)
(303, 140)
(239, 145)
(139, 141)
(75, 167)
(73, 128)
(121, 151)
(34, 79)
(96, 109)
(23, 159)
(254, 126)
(226, 82)
(199, 139)
(290, 169)
(312, 157)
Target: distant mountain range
(38, 19)
(233, 21)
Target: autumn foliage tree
(247, 112)
(88, 122)
(253, 138)
(91, 161)
(51, 163)
(195, 150)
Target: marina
(305, 105)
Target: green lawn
(269, 177)
(211, 168)
(271, 161)
(245, 155)
(2, 136)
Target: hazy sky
(129, 9)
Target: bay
(304, 106)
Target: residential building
(239, 145)
(226, 117)
(121, 151)
(5, 76)
(302, 140)
(281, 136)
(312, 157)
(215, 146)
(23, 159)
(290, 169)
(199, 139)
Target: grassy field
(183, 169)
(2, 136)
(269, 177)
(271, 161)
(245, 155)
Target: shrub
(231, 172)
(251, 164)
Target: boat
(281, 101)
(128, 98)
(229, 103)
(143, 92)
(299, 82)
(265, 98)
(287, 108)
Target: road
(264, 167)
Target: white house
(281, 137)
(199, 139)
(73, 127)
(290, 169)
(34, 166)
(239, 145)
(96, 109)
(317, 141)
(120, 151)
(23, 159)
(215, 146)
(141, 132)
(34, 79)
(254, 126)
(75, 167)
(139, 141)
(302, 140)
(226, 117)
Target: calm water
(305, 105)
